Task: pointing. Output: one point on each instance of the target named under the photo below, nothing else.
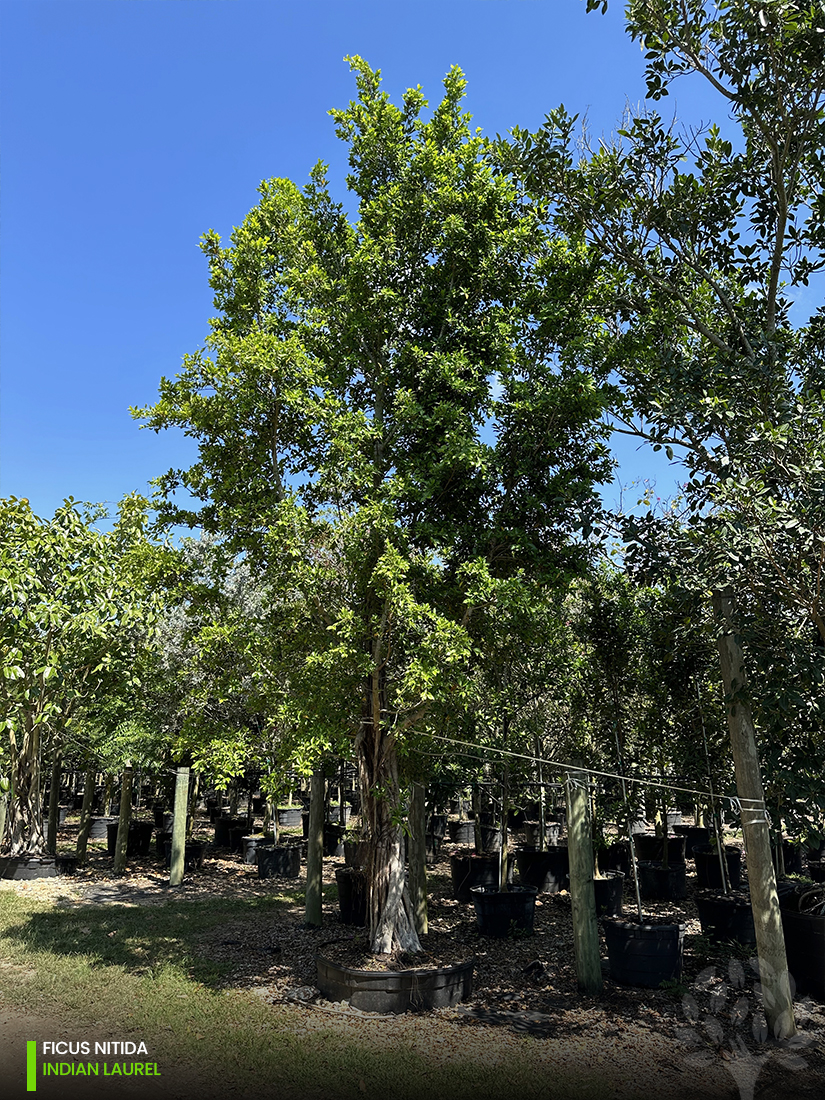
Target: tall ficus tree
(390, 412)
(75, 617)
(707, 235)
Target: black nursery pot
(547, 871)
(608, 891)
(192, 855)
(353, 896)
(278, 862)
(643, 955)
(659, 883)
(501, 913)
(708, 873)
(471, 870)
(725, 916)
(650, 847)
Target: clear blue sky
(130, 128)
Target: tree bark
(125, 817)
(313, 902)
(86, 813)
(418, 857)
(582, 891)
(770, 942)
(177, 861)
(25, 818)
(391, 921)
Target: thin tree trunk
(770, 942)
(86, 813)
(313, 903)
(418, 857)
(193, 804)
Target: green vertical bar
(31, 1066)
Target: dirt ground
(688, 1043)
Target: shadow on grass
(148, 939)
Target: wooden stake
(121, 844)
(582, 891)
(177, 862)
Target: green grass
(137, 972)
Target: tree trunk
(193, 805)
(418, 857)
(770, 942)
(86, 813)
(504, 853)
(313, 902)
(123, 821)
(391, 921)
(25, 818)
(582, 891)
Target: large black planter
(552, 830)
(471, 870)
(278, 862)
(335, 814)
(708, 872)
(138, 841)
(816, 870)
(489, 839)
(395, 991)
(99, 826)
(608, 891)
(616, 857)
(223, 830)
(289, 817)
(66, 865)
(462, 832)
(651, 848)
(437, 826)
(791, 856)
(24, 868)
(501, 913)
(694, 835)
(643, 955)
(333, 839)
(805, 949)
(192, 855)
(432, 847)
(725, 916)
(547, 871)
(353, 896)
(658, 883)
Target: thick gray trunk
(770, 942)
(25, 820)
(54, 802)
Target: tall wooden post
(767, 920)
(86, 813)
(313, 905)
(582, 891)
(418, 857)
(178, 860)
(122, 842)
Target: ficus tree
(394, 408)
(74, 619)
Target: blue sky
(128, 129)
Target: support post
(86, 813)
(122, 842)
(177, 862)
(767, 920)
(313, 905)
(582, 891)
(418, 857)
